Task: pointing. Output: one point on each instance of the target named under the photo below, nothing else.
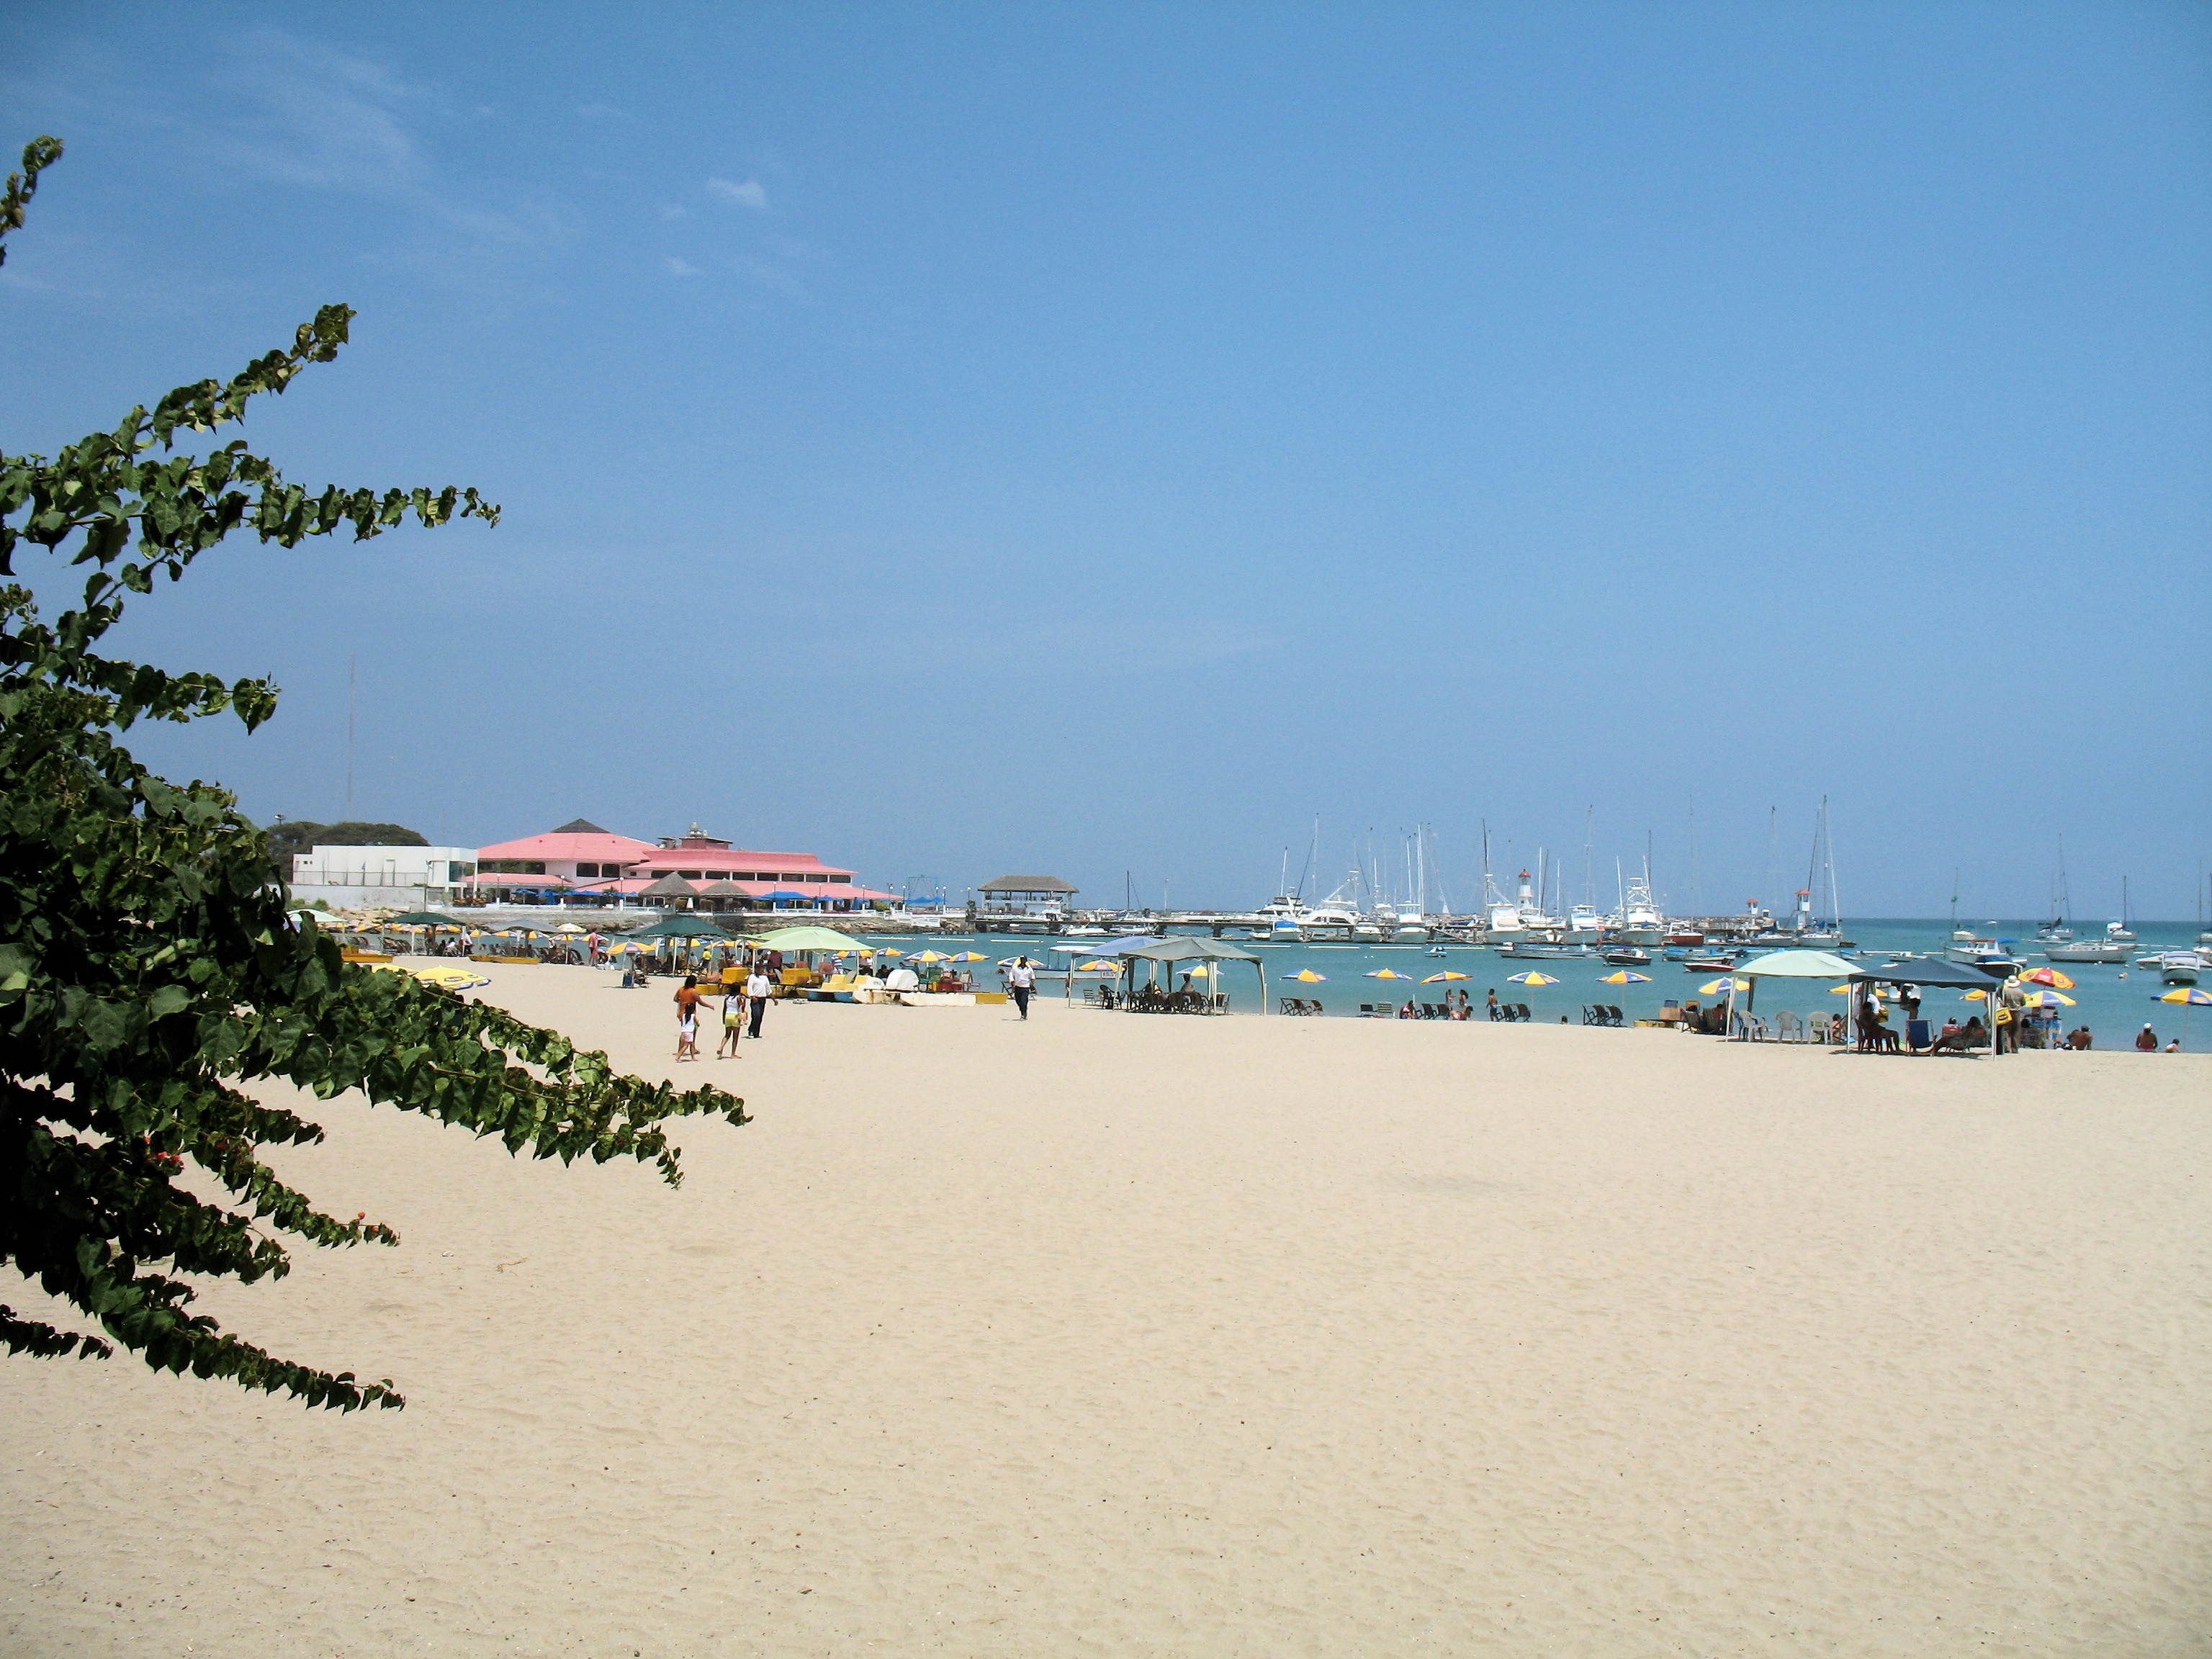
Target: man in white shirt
(1021, 980)
(758, 990)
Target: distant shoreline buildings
(583, 861)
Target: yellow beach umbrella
(1713, 987)
(1531, 977)
(1624, 977)
(2049, 999)
(2188, 997)
(1388, 973)
(931, 955)
(1100, 966)
(1438, 978)
(1307, 976)
(963, 955)
(451, 975)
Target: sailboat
(2059, 929)
(1586, 922)
(1500, 920)
(2118, 933)
(1817, 930)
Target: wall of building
(365, 898)
(441, 867)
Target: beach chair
(1617, 1017)
(1593, 1013)
(1521, 1012)
(1312, 1005)
(1750, 1028)
(1788, 1028)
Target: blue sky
(962, 439)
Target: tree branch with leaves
(150, 968)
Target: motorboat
(1626, 955)
(2175, 967)
(1544, 951)
(1638, 921)
(1983, 952)
(1712, 962)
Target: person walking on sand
(1493, 1002)
(1021, 980)
(687, 1019)
(733, 1016)
(757, 993)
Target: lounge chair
(1521, 1011)
(1593, 1013)
(1616, 1016)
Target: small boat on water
(2174, 967)
(1982, 953)
(2088, 950)
(1626, 955)
(1710, 962)
(1545, 950)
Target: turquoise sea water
(2114, 1001)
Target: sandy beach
(1114, 1334)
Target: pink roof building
(583, 858)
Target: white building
(409, 877)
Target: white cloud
(672, 210)
(749, 194)
(679, 268)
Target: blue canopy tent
(1182, 947)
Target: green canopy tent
(1179, 947)
(684, 927)
(1785, 964)
(809, 938)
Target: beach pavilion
(1185, 947)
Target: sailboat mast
(1835, 897)
(1697, 875)
(1589, 887)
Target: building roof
(670, 887)
(593, 846)
(582, 827)
(1027, 884)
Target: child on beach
(687, 1018)
(733, 1015)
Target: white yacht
(1977, 952)
(2174, 967)
(1332, 919)
(1638, 921)
(2087, 949)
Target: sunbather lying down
(1958, 1039)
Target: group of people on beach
(744, 992)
